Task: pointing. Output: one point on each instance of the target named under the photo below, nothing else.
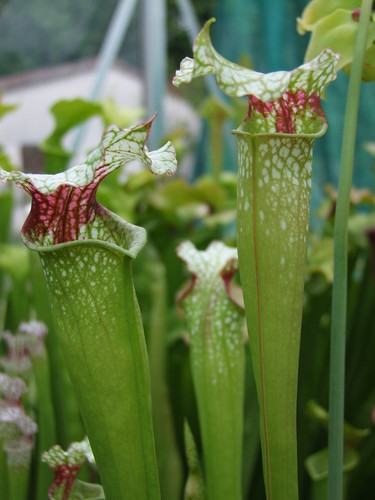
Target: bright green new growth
(273, 202)
(216, 331)
(335, 24)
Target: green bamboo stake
(339, 292)
(275, 144)
(86, 253)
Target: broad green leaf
(123, 117)
(317, 9)
(320, 258)
(15, 261)
(68, 114)
(7, 108)
(338, 32)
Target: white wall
(32, 121)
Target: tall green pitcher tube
(215, 322)
(273, 201)
(272, 226)
(86, 253)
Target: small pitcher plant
(273, 202)
(26, 357)
(17, 431)
(86, 254)
(216, 332)
(66, 466)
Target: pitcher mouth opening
(122, 237)
(241, 131)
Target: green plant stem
(339, 293)
(3, 472)
(217, 139)
(18, 479)
(46, 421)
(169, 464)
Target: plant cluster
(183, 364)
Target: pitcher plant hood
(282, 101)
(64, 207)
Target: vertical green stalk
(6, 205)
(11, 418)
(3, 472)
(19, 460)
(216, 112)
(216, 329)
(4, 490)
(17, 432)
(169, 463)
(46, 422)
(18, 481)
(86, 253)
(36, 333)
(272, 238)
(339, 292)
(18, 451)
